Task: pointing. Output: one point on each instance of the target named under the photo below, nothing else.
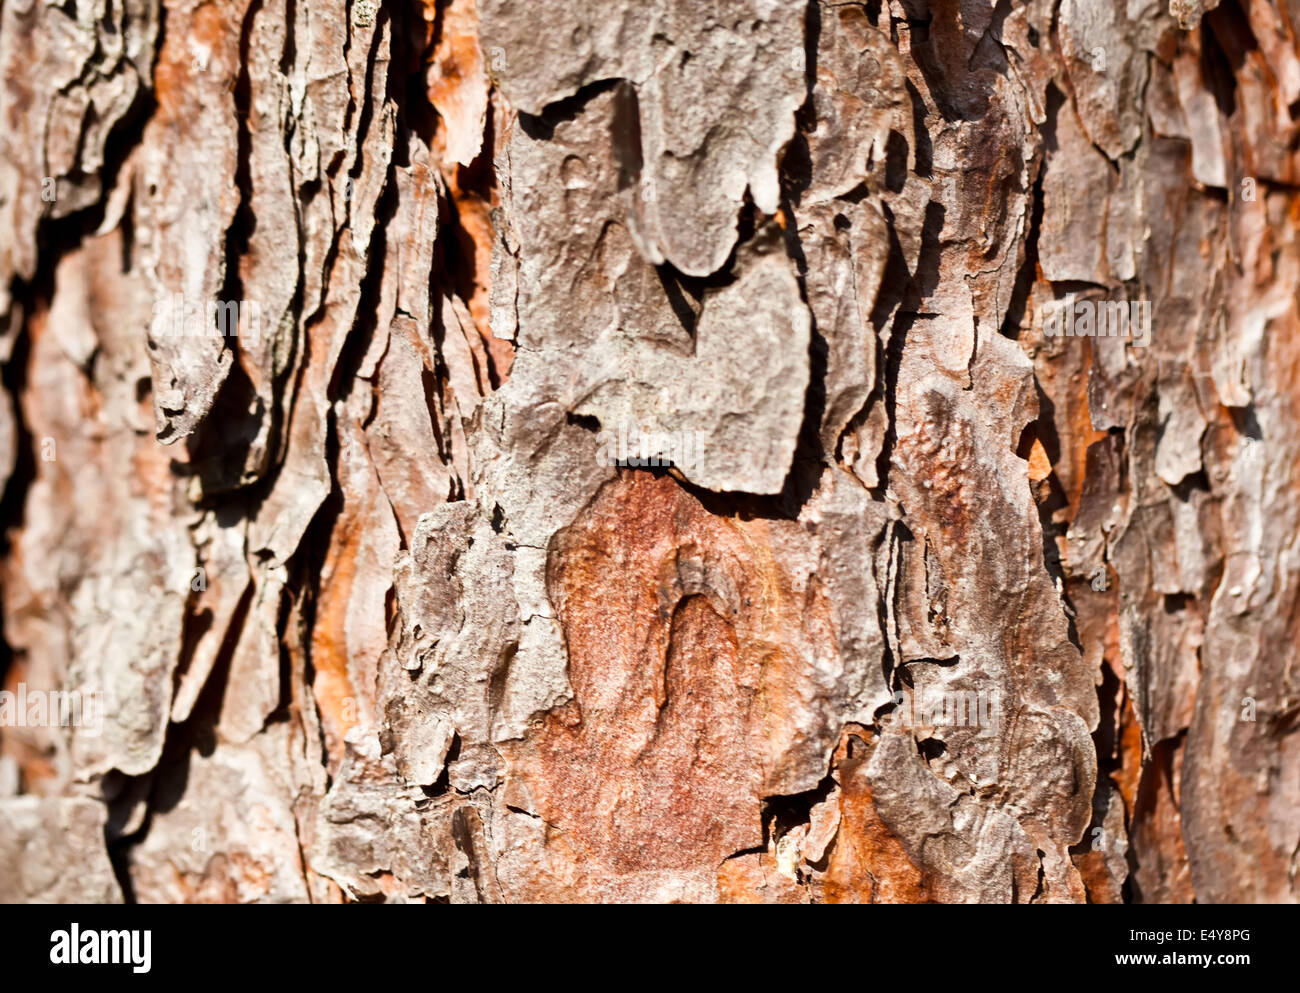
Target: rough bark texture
(372, 614)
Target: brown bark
(644, 460)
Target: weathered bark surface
(369, 610)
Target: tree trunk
(656, 450)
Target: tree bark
(754, 451)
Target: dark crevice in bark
(168, 780)
(900, 295)
(218, 449)
(1027, 274)
(541, 127)
(1038, 889)
(13, 378)
(119, 857)
(893, 282)
(1043, 430)
(1226, 38)
(240, 231)
(365, 323)
(454, 268)
(1157, 777)
(303, 586)
(368, 103)
(781, 814)
(893, 659)
(1110, 761)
